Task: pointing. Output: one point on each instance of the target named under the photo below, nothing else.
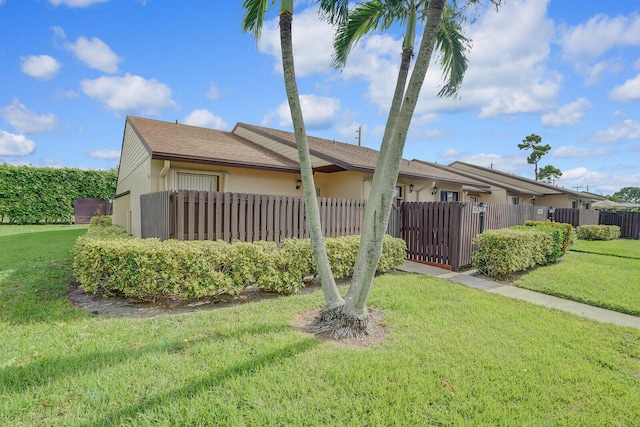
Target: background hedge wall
(30, 195)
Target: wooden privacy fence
(441, 233)
(629, 222)
(201, 215)
(577, 217)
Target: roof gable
(512, 182)
(178, 142)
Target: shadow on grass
(35, 272)
(214, 379)
(37, 294)
(15, 379)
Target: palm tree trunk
(333, 300)
(355, 317)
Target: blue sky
(72, 70)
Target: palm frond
(364, 19)
(255, 11)
(453, 47)
(334, 11)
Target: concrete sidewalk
(468, 278)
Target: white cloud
(596, 181)
(43, 67)
(204, 118)
(58, 33)
(15, 145)
(104, 154)
(122, 94)
(450, 154)
(567, 115)
(507, 72)
(583, 44)
(569, 151)
(27, 121)
(95, 53)
(600, 34)
(625, 129)
(213, 92)
(628, 91)
(319, 112)
(312, 43)
(76, 3)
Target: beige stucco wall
(557, 201)
(344, 185)
(138, 182)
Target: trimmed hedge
(31, 195)
(149, 269)
(598, 232)
(568, 232)
(519, 248)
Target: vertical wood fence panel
(577, 217)
(155, 212)
(629, 222)
(194, 215)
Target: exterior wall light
(298, 184)
(411, 188)
(434, 190)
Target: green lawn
(603, 273)
(625, 248)
(7, 230)
(454, 356)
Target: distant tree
(628, 194)
(534, 143)
(549, 173)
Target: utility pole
(578, 187)
(359, 132)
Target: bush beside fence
(519, 248)
(598, 232)
(150, 269)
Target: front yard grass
(454, 356)
(625, 248)
(601, 273)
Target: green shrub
(108, 260)
(32, 195)
(506, 251)
(598, 232)
(568, 232)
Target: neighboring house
(159, 156)
(512, 189)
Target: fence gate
(431, 230)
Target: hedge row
(598, 232)
(31, 195)
(110, 261)
(519, 248)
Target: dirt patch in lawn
(113, 306)
(378, 331)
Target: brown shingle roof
(178, 142)
(265, 148)
(353, 157)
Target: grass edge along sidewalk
(601, 274)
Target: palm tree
(443, 34)
(255, 11)
(349, 317)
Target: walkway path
(468, 278)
